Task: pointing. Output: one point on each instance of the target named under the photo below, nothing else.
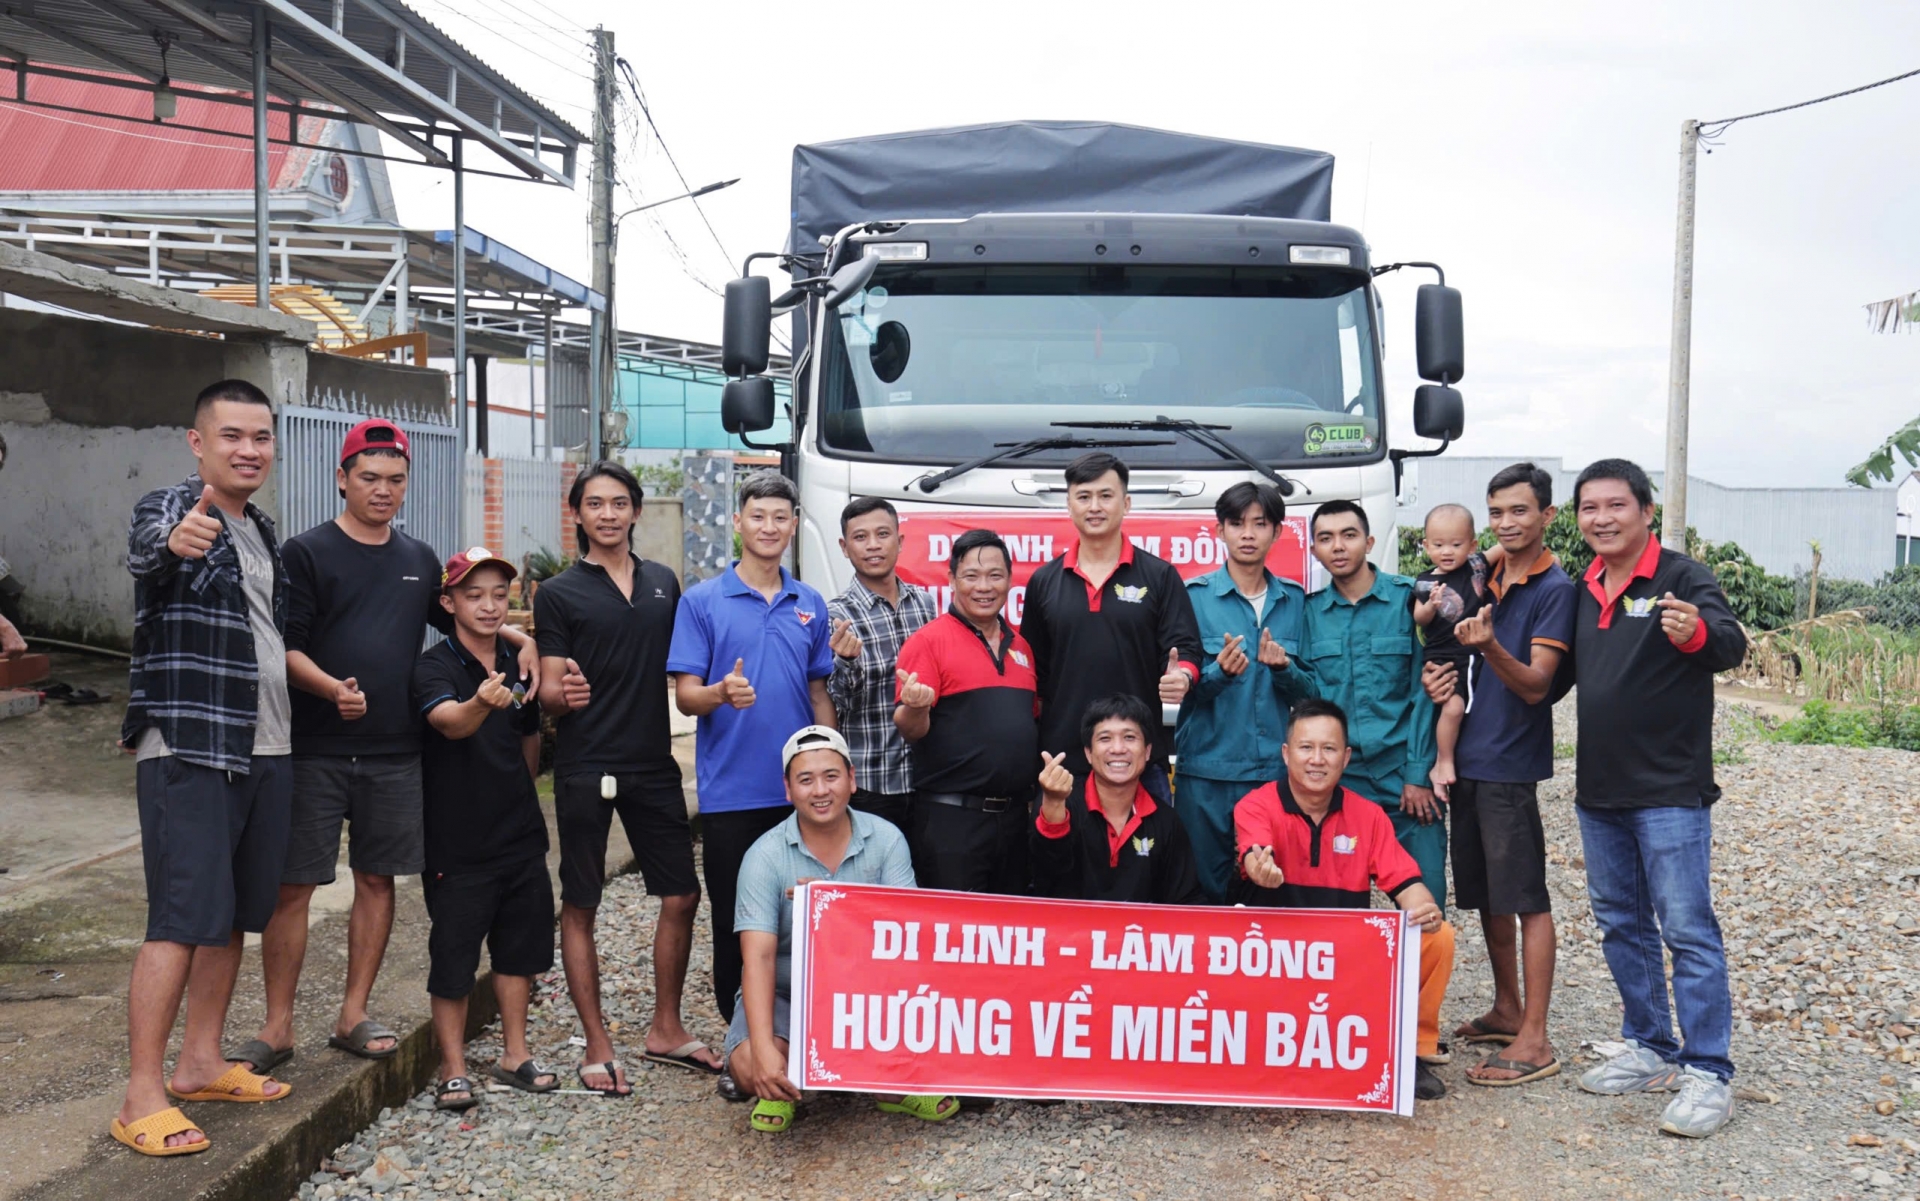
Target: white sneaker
(1704, 1105)
(1634, 1070)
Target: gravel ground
(1818, 860)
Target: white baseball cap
(814, 738)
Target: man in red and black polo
(966, 704)
(1307, 843)
(1106, 618)
(1652, 628)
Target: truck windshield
(937, 364)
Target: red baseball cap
(376, 434)
(462, 565)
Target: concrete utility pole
(600, 367)
(1673, 513)
(262, 217)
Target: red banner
(916, 991)
(1033, 537)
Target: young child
(1103, 838)
(486, 876)
(1453, 591)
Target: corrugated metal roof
(49, 151)
(382, 58)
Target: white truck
(974, 307)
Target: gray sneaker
(1634, 1070)
(1704, 1105)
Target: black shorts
(214, 844)
(653, 812)
(970, 850)
(379, 795)
(1499, 848)
(510, 908)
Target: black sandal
(525, 1076)
(459, 1084)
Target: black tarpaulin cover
(1048, 166)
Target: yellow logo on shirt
(1131, 593)
(1642, 607)
(1142, 846)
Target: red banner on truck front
(916, 991)
(1033, 537)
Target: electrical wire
(1713, 129)
(640, 97)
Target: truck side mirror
(1438, 335)
(1438, 411)
(747, 327)
(746, 405)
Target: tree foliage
(1904, 442)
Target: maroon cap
(377, 434)
(462, 565)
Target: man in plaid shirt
(209, 719)
(871, 620)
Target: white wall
(67, 493)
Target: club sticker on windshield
(1337, 439)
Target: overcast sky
(1530, 149)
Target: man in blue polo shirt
(750, 658)
(1505, 749)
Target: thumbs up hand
(734, 687)
(194, 536)
(349, 700)
(914, 694)
(1174, 685)
(574, 689)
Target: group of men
(278, 693)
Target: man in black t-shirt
(1106, 618)
(486, 839)
(360, 596)
(604, 625)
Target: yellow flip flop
(237, 1083)
(159, 1127)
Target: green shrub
(1827, 724)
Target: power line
(1712, 129)
(640, 97)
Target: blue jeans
(1648, 864)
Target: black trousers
(890, 806)
(724, 839)
(969, 850)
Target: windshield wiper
(1020, 450)
(1206, 435)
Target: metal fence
(530, 497)
(310, 437)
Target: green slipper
(771, 1117)
(927, 1109)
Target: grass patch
(1826, 724)
(1563, 750)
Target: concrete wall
(1854, 526)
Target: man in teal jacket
(1235, 719)
(1364, 652)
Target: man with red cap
(360, 595)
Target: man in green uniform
(1363, 649)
